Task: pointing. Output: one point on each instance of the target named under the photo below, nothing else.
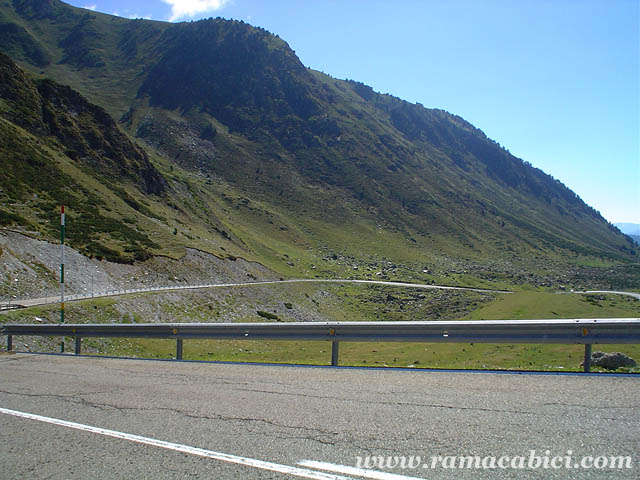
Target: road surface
(30, 302)
(64, 417)
(629, 294)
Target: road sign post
(62, 225)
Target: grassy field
(520, 305)
(525, 304)
(413, 355)
(537, 304)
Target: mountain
(42, 122)
(241, 147)
(629, 228)
(88, 133)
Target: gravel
(30, 267)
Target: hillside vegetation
(228, 143)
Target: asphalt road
(629, 294)
(30, 302)
(153, 419)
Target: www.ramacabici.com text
(532, 460)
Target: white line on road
(358, 472)
(248, 462)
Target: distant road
(67, 417)
(111, 293)
(630, 294)
(117, 292)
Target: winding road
(112, 293)
(30, 302)
(629, 294)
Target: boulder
(611, 361)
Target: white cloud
(90, 7)
(189, 8)
(132, 16)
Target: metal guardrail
(157, 289)
(10, 306)
(576, 331)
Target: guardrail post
(9, 343)
(78, 345)
(587, 357)
(179, 349)
(334, 353)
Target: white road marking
(358, 472)
(223, 457)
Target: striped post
(62, 272)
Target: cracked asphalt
(290, 413)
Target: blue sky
(554, 81)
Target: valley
(236, 163)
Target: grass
(307, 203)
(317, 221)
(546, 305)
(295, 236)
(412, 355)
(523, 304)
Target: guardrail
(10, 306)
(576, 331)
(156, 289)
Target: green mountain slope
(55, 147)
(272, 159)
(86, 132)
